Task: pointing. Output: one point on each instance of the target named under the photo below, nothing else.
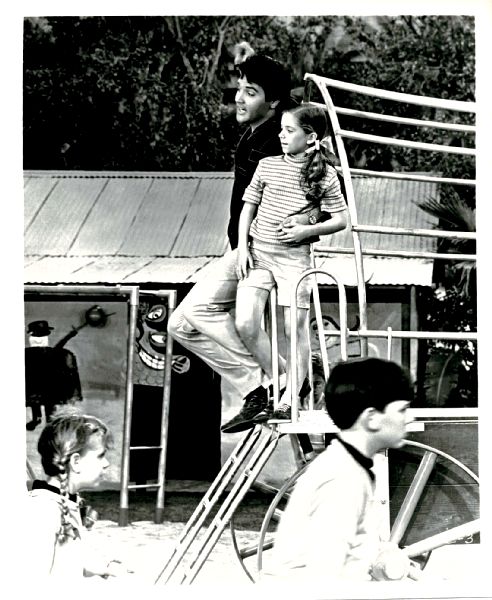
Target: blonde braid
(67, 529)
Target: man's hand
(291, 232)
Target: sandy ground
(145, 546)
(452, 571)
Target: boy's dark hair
(270, 75)
(357, 384)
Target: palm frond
(452, 211)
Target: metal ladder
(251, 454)
(131, 295)
(126, 486)
(245, 462)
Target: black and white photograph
(244, 307)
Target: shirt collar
(295, 159)
(364, 461)
(39, 484)
(272, 123)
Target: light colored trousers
(203, 324)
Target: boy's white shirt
(332, 511)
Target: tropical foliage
(452, 305)
(156, 93)
(152, 93)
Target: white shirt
(328, 530)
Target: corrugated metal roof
(388, 202)
(120, 227)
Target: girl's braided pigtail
(313, 120)
(67, 529)
(315, 169)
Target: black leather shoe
(265, 414)
(254, 403)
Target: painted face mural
(332, 342)
(151, 342)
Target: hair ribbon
(325, 143)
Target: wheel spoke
(413, 496)
(443, 538)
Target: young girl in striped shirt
(274, 249)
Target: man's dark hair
(357, 384)
(270, 75)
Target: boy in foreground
(328, 531)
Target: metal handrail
(409, 176)
(454, 105)
(381, 139)
(351, 112)
(342, 311)
(456, 235)
(406, 121)
(322, 84)
(408, 335)
(350, 198)
(327, 250)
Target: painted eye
(156, 314)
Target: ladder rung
(143, 486)
(145, 447)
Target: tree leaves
(148, 92)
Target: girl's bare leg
(303, 351)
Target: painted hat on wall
(39, 328)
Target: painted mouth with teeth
(151, 360)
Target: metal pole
(443, 538)
(352, 208)
(275, 349)
(413, 496)
(455, 105)
(166, 401)
(390, 341)
(125, 452)
(319, 320)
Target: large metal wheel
(419, 550)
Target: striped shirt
(276, 189)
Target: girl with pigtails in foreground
(274, 247)
(73, 450)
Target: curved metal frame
(322, 84)
(342, 302)
(401, 522)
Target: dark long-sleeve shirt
(254, 145)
